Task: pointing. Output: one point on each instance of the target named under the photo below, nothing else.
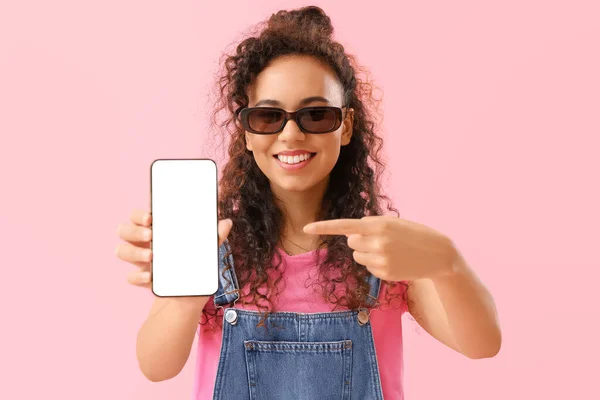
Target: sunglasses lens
(318, 120)
(265, 120)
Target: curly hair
(245, 195)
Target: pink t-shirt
(385, 321)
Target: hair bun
(306, 19)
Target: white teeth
(293, 159)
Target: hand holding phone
(137, 237)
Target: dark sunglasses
(270, 120)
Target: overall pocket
(299, 370)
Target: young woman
(314, 277)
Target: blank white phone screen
(184, 228)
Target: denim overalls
(317, 356)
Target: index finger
(338, 227)
(141, 217)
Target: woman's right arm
(165, 339)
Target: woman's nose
(291, 131)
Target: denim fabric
(302, 356)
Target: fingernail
(147, 254)
(147, 234)
(145, 276)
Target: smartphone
(185, 242)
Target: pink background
(492, 125)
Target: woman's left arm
(444, 295)
(458, 310)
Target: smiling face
(292, 160)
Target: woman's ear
(347, 125)
(239, 125)
(248, 141)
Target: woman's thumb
(224, 228)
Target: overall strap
(375, 284)
(228, 285)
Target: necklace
(295, 244)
